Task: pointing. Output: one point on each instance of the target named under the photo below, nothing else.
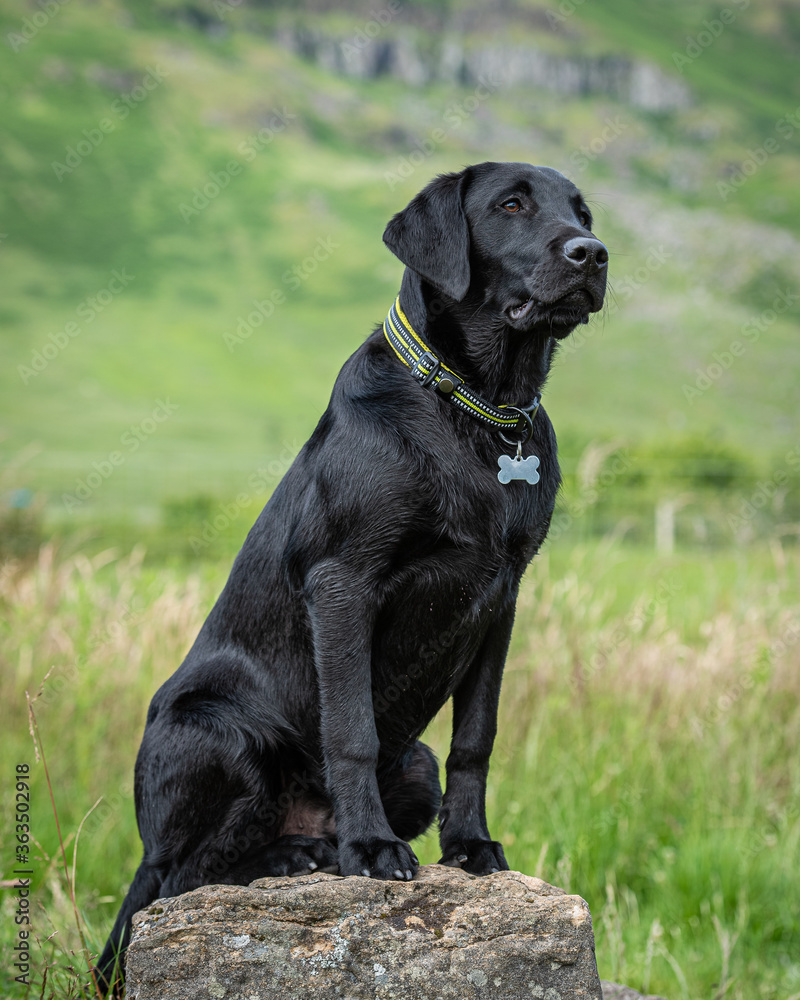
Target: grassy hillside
(296, 162)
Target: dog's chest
(521, 511)
(427, 642)
(442, 608)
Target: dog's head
(509, 238)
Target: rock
(417, 58)
(613, 991)
(445, 936)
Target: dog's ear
(431, 235)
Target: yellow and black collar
(428, 370)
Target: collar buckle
(428, 371)
(427, 374)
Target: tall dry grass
(647, 755)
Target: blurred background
(192, 201)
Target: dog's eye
(512, 205)
(586, 220)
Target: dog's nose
(587, 253)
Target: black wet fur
(379, 580)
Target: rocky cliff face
(406, 56)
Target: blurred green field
(685, 280)
(165, 168)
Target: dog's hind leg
(225, 863)
(411, 793)
(212, 794)
(213, 806)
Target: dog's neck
(502, 364)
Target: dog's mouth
(520, 311)
(567, 311)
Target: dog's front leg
(342, 618)
(463, 832)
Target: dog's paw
(479, 857)
(387, 859)
(298, 855)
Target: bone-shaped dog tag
(518, 468)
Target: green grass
(324, 177)
(646, 758)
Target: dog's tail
(109, 971)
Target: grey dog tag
(518, 468)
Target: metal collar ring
(528, 425)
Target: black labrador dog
(381, 578)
